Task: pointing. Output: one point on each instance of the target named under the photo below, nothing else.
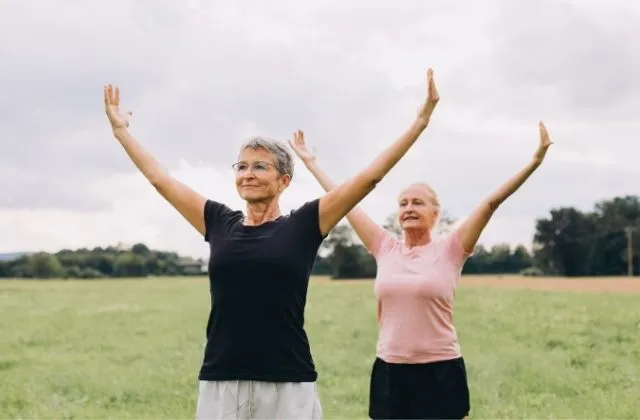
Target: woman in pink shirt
(419, 371)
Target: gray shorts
(255, 399)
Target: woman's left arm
(335, 205)
(470, 230)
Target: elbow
(369, 180)
(155, 182)
(492, 204)
(159, 182)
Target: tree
(392, 225)
(445, 223)
(562, 242)
(347, 258)
(129, 264)
(140, 249)
(521, 259)
(43, 265)
(575, 243)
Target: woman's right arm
(186, 201)
(366, 229)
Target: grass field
(132, 349)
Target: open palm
(299, 146)
(112, 108)
(432, 99)
(545, 142)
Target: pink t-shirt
(415, 290)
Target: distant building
(192, 267)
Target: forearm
(390, 156)
(364, 226)
(512, 185)
(186, 201)
(323, 179)
(144, 161)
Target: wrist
(422, 122)
(534, 164)
(120, 133)
(309, 162)
(118, 130)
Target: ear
(285, 180)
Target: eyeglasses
(258, 166)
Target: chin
(413, 226)
(255, 198)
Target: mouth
(408, 218)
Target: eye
(261, 166)
(240, 167)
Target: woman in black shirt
(257, 359)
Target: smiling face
(418, 208)
(257, 176)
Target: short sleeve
(216, 216)
(454, 251)
(307, 219)
(383, 243)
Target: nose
(247, 174)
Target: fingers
(544, 134)
(433, 91)
(543, 130)
(107, 98)
(111, 96)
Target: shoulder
(306, 213)
(306, 218)
(452, 250)
(217, 216)
(308, 209)
(384, 244)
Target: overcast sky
(201, 76)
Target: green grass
(132, 349)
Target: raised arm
(364, 226)
(339, 201)
(187, 202)
(471, 229)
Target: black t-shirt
(258, 277)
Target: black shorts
(435, 390)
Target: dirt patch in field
(588, 284)
(578, 284)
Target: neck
(413, 238)
(261, 212)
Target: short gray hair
(284, 160)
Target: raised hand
(432, 99)
(299, 146)
(112, 107)
(545, 142)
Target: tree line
(568, 242)
(96, 263)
